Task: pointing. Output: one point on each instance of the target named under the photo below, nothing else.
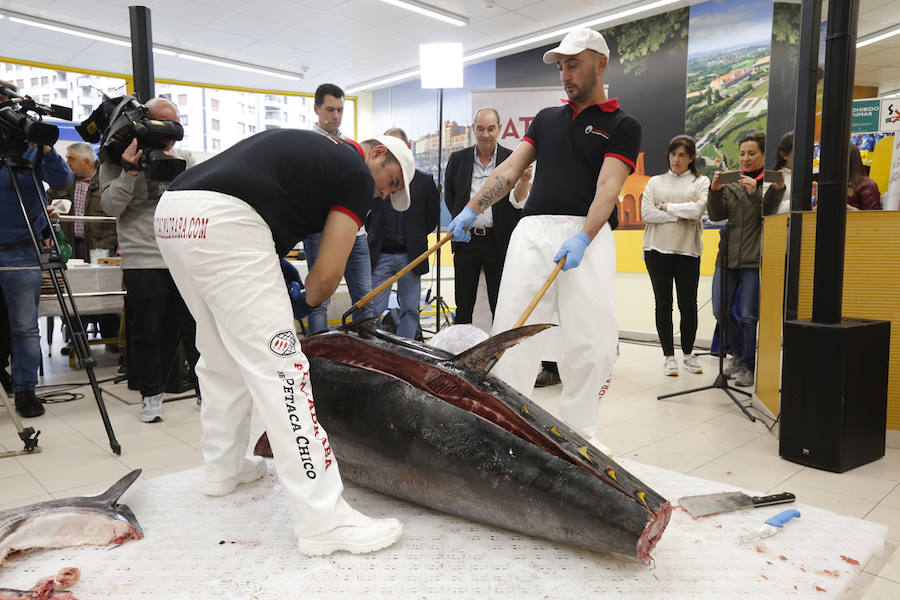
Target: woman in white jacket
(671, 206)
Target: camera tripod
(52, 262)
(441, 310)
(721, 381)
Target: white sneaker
(358, 535)
(670, 367)
(593, 441)
(254, 468)
(152, 408)
(691, 365)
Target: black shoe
(6, 381)
(28, 405)
(546, 377)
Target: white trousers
(581, 301)
(222, 257)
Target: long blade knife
(711, 504)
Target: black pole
(804, 137)
(805, 115)
(439, 299)
(831, 222)
(141, 52)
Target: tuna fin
(478, 358)
(112, 495)
(364, 326)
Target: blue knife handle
(783, 517)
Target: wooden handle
(387, 284)
(540, 294)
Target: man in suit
(395, 238)
(467, 170)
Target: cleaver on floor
(711, 504)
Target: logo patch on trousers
(283, 343)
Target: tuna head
(77, 521)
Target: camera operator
(151, 298)
(88, 239)
(22, 288)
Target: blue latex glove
(461, 223)
(290, 273)
(298, 301)
(573, 250)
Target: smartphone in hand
(729, 177)
(772, 176)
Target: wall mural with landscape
(729, 55)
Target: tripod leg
(82, 348)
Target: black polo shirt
(571, 148)
(292, 177)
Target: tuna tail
(482, 357)
(112, 495)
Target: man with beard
(586, 149)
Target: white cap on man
(575, 42)
(404, 156)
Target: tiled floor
(701, 434)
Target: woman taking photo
(743, 203)
(671, 206)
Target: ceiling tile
(240, 25)
(370, 11)
(547, 13)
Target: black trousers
(468, 261)
(152, 304)
(685, 271)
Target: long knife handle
(782, 498)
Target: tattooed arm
(503, 178)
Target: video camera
(21, 124)
(119, 121)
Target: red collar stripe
(610, 105)
(355, 145)
(347, 211)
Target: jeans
(22, 292)
(740, 336)
(409, 291)
(357, 274)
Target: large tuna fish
(67, 522)
(429, 427)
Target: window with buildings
(214, 124)
(182, 99)
(215, 144)
(45, 80)
(213, 104)
(34, 81)
(184, 120)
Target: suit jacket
(96, 235)
(420, 218)
(458, 187)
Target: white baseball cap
(397, 147)
(577, 41)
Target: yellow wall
(771, 309)
(630, 251)
(871, 289)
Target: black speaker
(834, 393)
